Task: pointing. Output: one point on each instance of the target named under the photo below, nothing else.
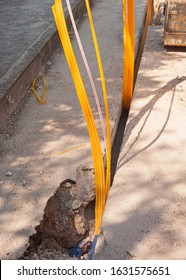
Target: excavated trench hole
(68, 220)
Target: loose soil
(66, 222)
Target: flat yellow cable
(108, 150)
(83, 99)
(128, 72)
(71, 149)
(43, 100)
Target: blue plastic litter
(76, 252)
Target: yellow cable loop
(108, 150)
(129, 53)
(59, 17)
(43, 100)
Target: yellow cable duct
(108, 150)
(83, 99)
(129, 38)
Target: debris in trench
(68, 220)
(80, 250)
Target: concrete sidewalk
(30, 168)
(28, 39)
(145, 215)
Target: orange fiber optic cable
(129, 53)
(83, 99)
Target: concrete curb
(17, 80)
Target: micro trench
(68, 219)
(69, 215)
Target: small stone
(1, 182)
(78, 219)
(49, 63)
(43, 69)
(76, 204)
(9, 174)
(24, 183)
(68, 185)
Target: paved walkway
(145, 216)
(28, 38)
(21, 23)
(30, 168)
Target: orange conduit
(59, 17)
(129, 38)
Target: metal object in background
(175, 23)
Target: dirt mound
(68, 218)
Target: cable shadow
(171, 85)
